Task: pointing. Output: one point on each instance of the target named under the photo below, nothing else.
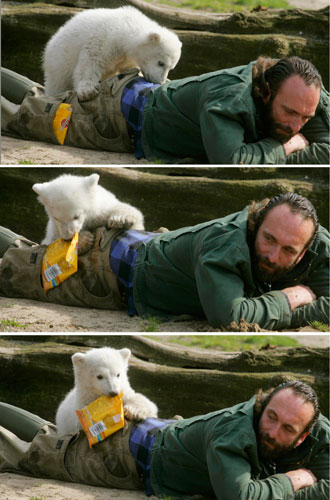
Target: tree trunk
(165, 196)
(180, 380)
(210, 41)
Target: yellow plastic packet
(60, 261)
(101, 418)
(61, 121)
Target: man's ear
(302, 438)
(301, 255)
(267, 96)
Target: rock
(37, 375)
(166, 196)
(210, 41)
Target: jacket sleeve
(320, 469)
(318, 281)
(316, 132)
(222, 293)
(224, 128)
(231, 479)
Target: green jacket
(216, 455)
(213, 118)
(205, 271)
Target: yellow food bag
(102, 417)
(60, 261)
(61, 121)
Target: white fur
(101, 372)
(97, 43)
(74, 203)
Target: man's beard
(275, 452)
(273, 128)
(263, 274)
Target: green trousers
(15, 87)
(8, 239)
(31, 446)
(93, 285)
(97, 123)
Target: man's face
(282, 424)
(280, 242)
(294, 104)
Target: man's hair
(304, 391)
(298, 205)
(275, 71)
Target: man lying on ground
(267, 112)
(268, 264)
(274, 446)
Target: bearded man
(274, 446)
(267, 264)
(267, 112)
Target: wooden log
(169, 200)
(210, 41)
(175, 355)
(38, 376)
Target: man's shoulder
(239, 77)
(321, 429)
(238, 418)
(321, 244)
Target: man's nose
(296, 124)
(274, 255)
(272, 433)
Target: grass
(226, 5)
(233, 342)
(11, 322)
(26, 162)
(150, 325)
(322, 327)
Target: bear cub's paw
(121, 221)
(85, 243)
(87, 91)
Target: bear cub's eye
(100, 377)
(118, 375)
(161, 63)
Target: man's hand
(301, 478)
(299, 295)
(296, 143)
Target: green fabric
(15, 87)
(213, 118)
(10, 239)
(65, 457)
(95, 124)
(216, 455)
(205, 270)
(21, 422)
(93, 285)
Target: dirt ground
(23, 315)
(17, 151)
(14, 487)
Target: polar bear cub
(74, 203)
(101, 372)
(98, 43)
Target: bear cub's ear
(91, 181)
(40, 188)
(125, 354)
(78, 358)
